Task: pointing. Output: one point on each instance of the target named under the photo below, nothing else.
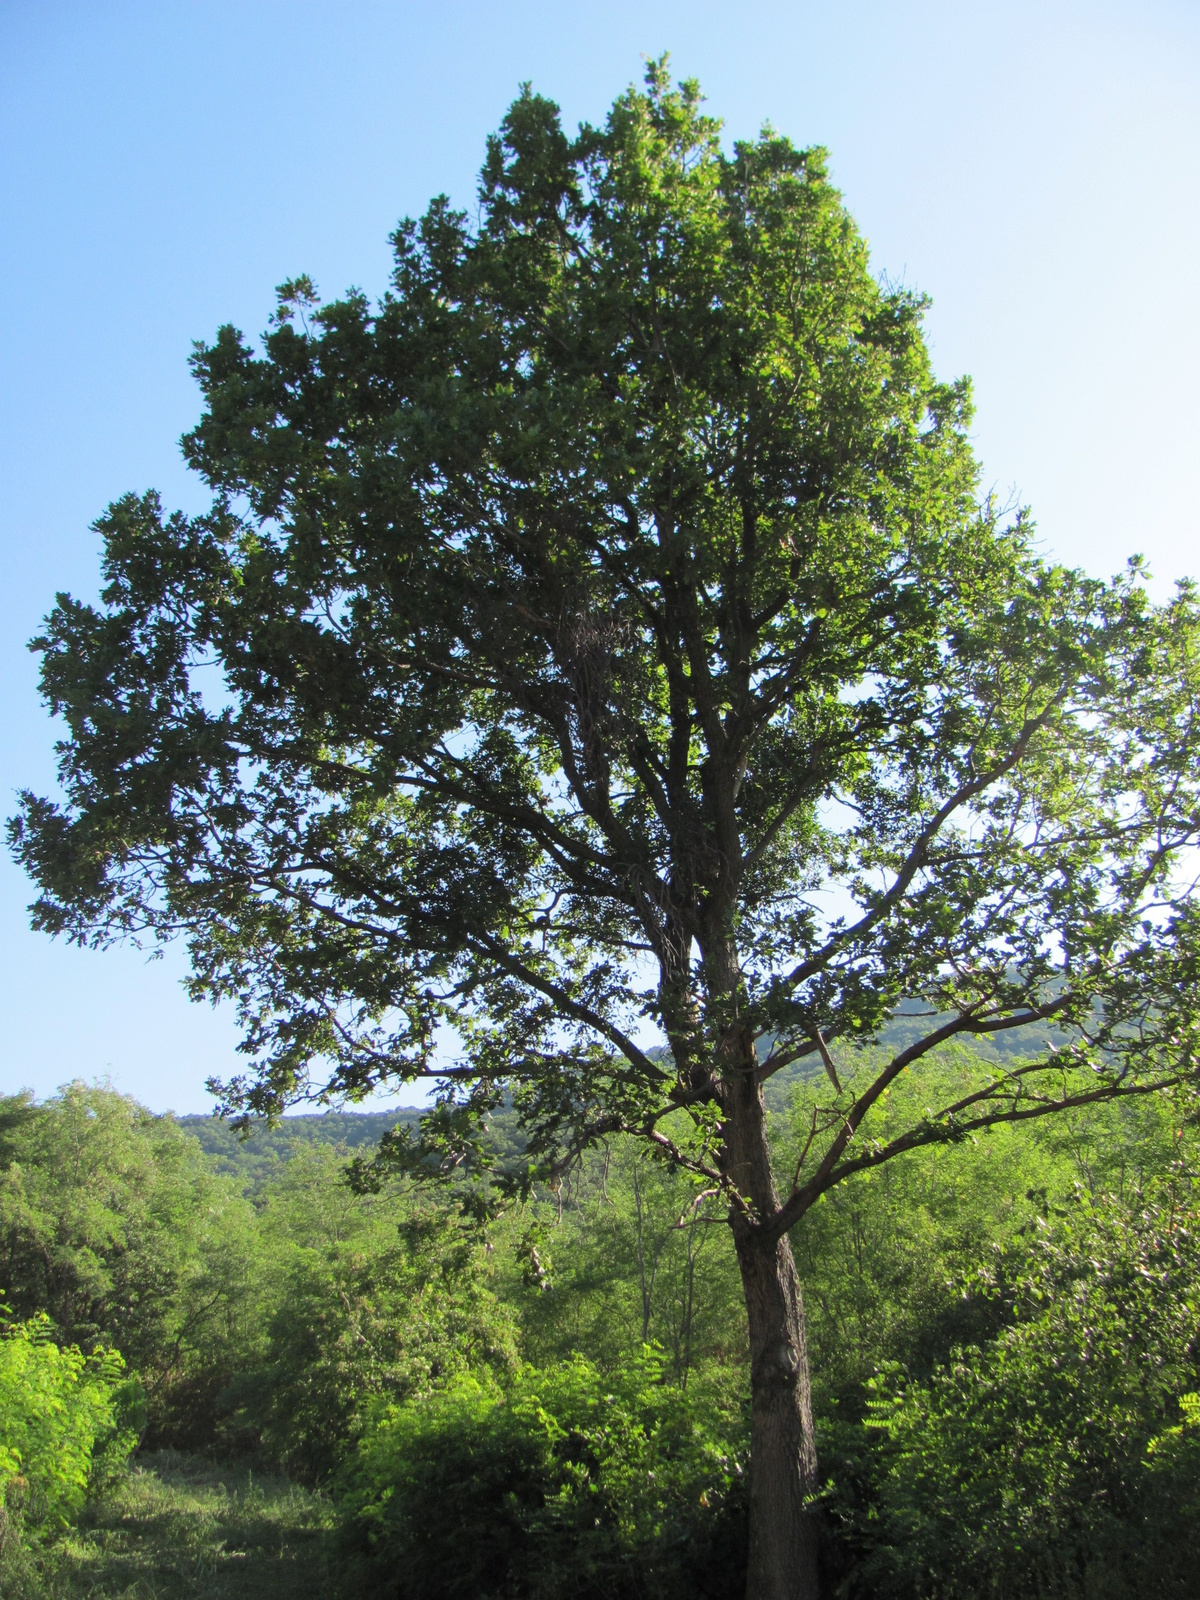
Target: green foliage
(614, 583)
(1059, 1457)
(565, 1482)
(254, 1156)
(182, 1528)
(629, 1251)
(604, 633)
(66, 1421)
(888, 1261)
(1005, 1327)
(268, 1327)
(113, 1223)
(370, 1299)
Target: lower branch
(802, 1199)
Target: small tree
(603, 640)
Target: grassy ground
(180, 1528)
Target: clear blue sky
(1033, 167)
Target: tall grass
(178, 1528)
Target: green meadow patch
(179, 1527)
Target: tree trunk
(783, 1457)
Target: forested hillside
(547, 1396)
(254, 1156)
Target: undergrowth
(176, 1528)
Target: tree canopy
(617, 592)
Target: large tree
(600, 679)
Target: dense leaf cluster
(568, 1482)
(66, 1421)
(1061, 1457)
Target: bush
(113, 1223)
(67, 1421)
(369, 1301)
(1060, 1458)
(567, 1482)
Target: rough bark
(783, 1457)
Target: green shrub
(369, 1301)
(1062, 1457)
(66, 1422)
(883, 1259)
(566, 1482)
(113, 1223)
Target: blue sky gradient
(1033, 167)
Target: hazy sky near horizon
(1035, 168)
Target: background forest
(549, 1400)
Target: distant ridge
(255, 1157)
